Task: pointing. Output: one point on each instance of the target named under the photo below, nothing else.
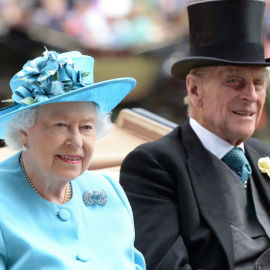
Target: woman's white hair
(26, 119)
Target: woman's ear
(23, 136)
(194, 88)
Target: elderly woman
(55, 214)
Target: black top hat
(224, 32)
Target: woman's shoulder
(10, 177)
(10, 164)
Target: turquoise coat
(38, 234)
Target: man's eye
(59, 124)
(258, 83)
(233, 80)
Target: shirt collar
(212, 142)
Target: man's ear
(194, 88)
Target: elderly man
(199, 198)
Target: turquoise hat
(64, 77)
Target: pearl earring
(24, 148)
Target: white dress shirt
(212, 142)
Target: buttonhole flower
(264, 165)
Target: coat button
(83, 256)
(64, 214)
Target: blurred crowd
(106, 24)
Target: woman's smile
(72, 159)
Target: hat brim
(107, 95)
(181, 68)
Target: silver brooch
(94, 197)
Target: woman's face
(61, 142)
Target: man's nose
(249, 92)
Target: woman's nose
(74, 139)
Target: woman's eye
(87, 127)
(59, 124)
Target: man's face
(231, 102)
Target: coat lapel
(260, 188)
(205, 181)
(260, 180)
